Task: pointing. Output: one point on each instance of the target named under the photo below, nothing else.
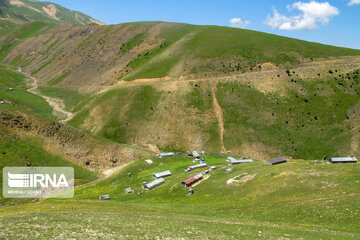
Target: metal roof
(168, 154)
(198, 166)
(231, 158)
(235, 161)
(195, 153)
(154, 183)
(192, 179)
(162, 174)
(343, 159)
(148, 161)
(276, 160)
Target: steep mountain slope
(98, 55)
(21, 149)
(31, 137)
(177, 86)
(303, 115)
(23, 11)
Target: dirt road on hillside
(305, 70)
(219, 116)
(57, 104)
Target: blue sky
(330, 22)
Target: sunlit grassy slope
(152, 49)
(17, 150)
(295, 200)
(24, 11)
(19, 98)
(18, 33)
(223, 50)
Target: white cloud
(237, 22)
(311, 15)
(353, 2)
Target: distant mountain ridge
(24, 11)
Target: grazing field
(300, 199)
(19, 98)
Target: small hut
(149, 161)
(189, 153)
(128, 190)
(195, 154)
(162, 174)
(104, 197)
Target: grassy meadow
(19, 98)
(300, 199)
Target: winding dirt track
(57, 104)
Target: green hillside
(278, 96)
(19, 98)
(24, 11)
(18, 150)
(295, 200)
(30, 136)
(304, 118)
(104, 54)
(218, 50)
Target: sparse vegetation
(59, 78)
(136, 40)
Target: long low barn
(201, 165)
(235, 161)
(276, 161)
(162, 174)
(168, 154)
(343, 160)
(191, 180)
(154, 183)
